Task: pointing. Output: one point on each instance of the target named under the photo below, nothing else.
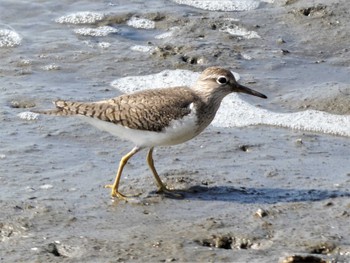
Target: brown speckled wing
(150, 110)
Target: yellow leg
(161, 186)
(115, 185)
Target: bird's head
(219, 82)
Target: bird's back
(150, 110)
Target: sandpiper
(157, 117)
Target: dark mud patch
(164, 51)
(226, 242)
(259, 195)
(303, 259)
(247, 147)
(323, 248)
(318, 10)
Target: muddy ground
(254, 194)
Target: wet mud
(252, 194)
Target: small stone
(261, 213)
(22, 104)
(244, 148)
(280, 41)
(299, 141)
(329, 204)
(52, 248)
(345, 214)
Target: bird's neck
(207, 109)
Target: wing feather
(150, 110)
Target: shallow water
(52, 170)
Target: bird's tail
(63, 108)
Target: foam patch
(223, 5)
(9, 38)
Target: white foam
(239, 31)
(9, 38)
(143, 23)
(222, 5)
(231, 19)
(104, 45)
(164, 35)
(168, 33)
(235, 112)
(101, 31)
(81, 18)
(51, 67)
(27, 115)
(46, 186)
(166, 78)
(140, 48)
(246, 56)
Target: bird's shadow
(259, 195)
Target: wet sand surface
(251, 194)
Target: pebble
(261, 213)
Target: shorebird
(157, 117)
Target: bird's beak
(243, 89)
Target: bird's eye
(221, 80)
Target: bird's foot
(116, 193)
(172, 193)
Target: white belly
(177, 132)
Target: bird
(156, 117)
